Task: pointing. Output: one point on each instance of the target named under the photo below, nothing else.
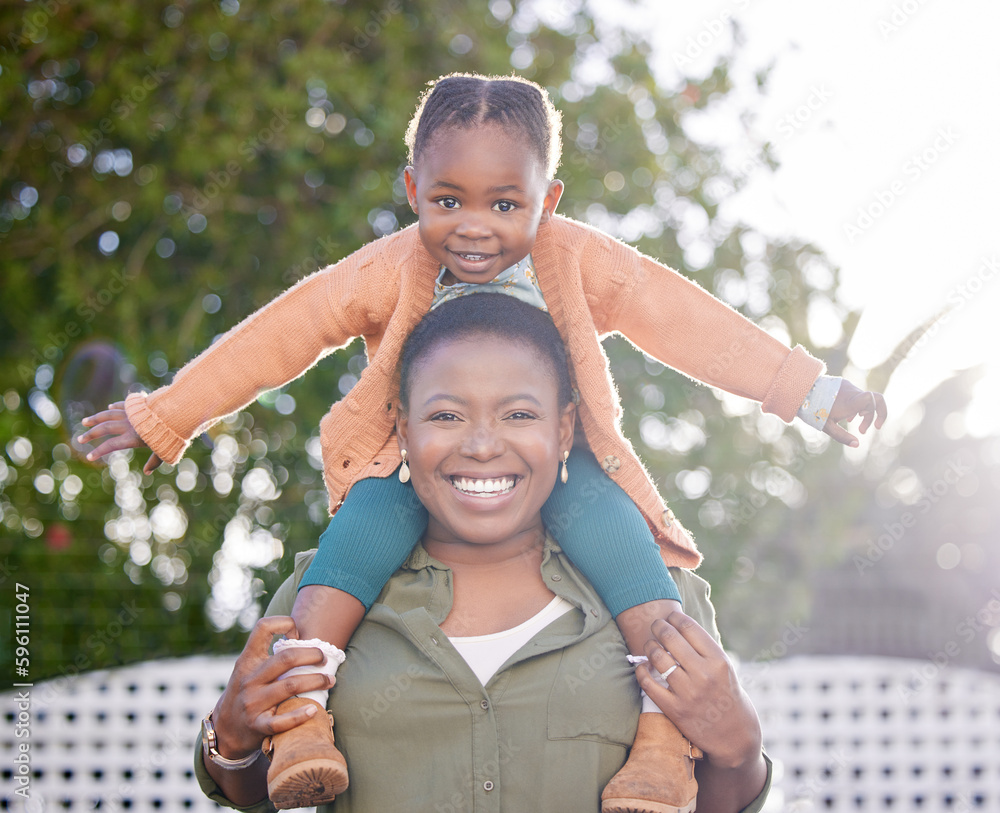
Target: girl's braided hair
(469, 100)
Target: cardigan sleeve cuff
(795, 378)
(160, 438)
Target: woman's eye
(448, 203)
(504, 206)
(521, 415)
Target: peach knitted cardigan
(593, 285)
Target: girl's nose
(474, 227)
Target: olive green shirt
(421, 733)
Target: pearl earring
(404, 470)
(564, 475)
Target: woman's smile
(484, 435)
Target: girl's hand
(246, 712)
(114, 424)
(702, 696)
(850, 403)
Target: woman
(488, 675)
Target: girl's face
(479, 194)
(484, 435)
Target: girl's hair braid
(468, 100)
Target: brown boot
(306, 767)
(659, 774)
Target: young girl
(483, 153)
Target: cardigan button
(611, 464)
(668, 518)
(576, 396)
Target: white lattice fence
(851, 733)
(846, 733)
(118, 740)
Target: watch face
(207, 735)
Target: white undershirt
(487, 653)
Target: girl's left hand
(852, 402)
(702, 696)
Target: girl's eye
(448, 203)
(444, 416)
(505, 206)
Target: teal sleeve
(606, 537)
(368, 538)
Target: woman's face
(484, 435)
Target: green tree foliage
(168, 168)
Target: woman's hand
(246, 712)
(850, 403)
(702, 695)
(114, 425)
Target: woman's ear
(567, 422)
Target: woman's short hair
(489, 316)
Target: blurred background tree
(168, 168)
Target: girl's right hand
(247, 711)
(114, 425)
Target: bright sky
(886, 119)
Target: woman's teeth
(466, 485)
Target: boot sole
(644, 806)
(306, 784)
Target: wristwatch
(209, 747)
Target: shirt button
(556, 577)
(434, 641)
(485, 704)
(488, 786)
(593, 613)
(611, 464)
